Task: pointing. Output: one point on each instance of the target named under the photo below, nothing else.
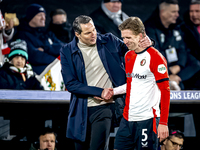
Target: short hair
(172, 133)
(167, 3)
(134, 24)
(176, 133)
(170, 1)
(82, 19)
(47, 130)
(57, 12)
(195, 2)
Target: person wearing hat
(43, 46)
(108, 16)
(17, 73)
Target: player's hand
(107, 93)
(163, 132)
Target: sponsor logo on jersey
(161, 68)
(128, 59)
(143, 62)
(132, 75)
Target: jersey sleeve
(164, 102)
(160, 71)
(158, 67)
(120, 89)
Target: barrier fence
(64, 96)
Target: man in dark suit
(108, 16)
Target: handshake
(106, 94)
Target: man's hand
(107, 93)
(175, 69)
(10, 25)
(163, 132)
(145, 42)
(99, 98)
(41, 49)
(175, 78)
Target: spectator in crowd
(46, 140)
(43, 46)
(164, 27)
(191, 28)
(91, 64)
(17, 73)
(146, 72)
(108, 16)
(59, 25)
(6, 33)
(174, 141)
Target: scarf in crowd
(117, 17)
(27, 70)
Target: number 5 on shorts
(144, 144)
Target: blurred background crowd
(32, 33)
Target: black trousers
(98, 128)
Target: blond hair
(134, 24)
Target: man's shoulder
(69, 47)
(98, 15)
(96, 12)
(155, 53)
(107, 36)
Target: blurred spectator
(43, 46)
(46, 140)
(59, 25)
(164, 27)
(191, 28)
(108, 16)
(174, 141)
(6, 33)
(17, 73)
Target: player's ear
(144, 34)
(141, 36)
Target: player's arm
(120, 90)
(165, 101)
(164, 108)
(159, 69)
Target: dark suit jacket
(104, 24)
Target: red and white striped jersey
(144, 70)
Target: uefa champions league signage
(184, 95)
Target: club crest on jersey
(143, 62)
(161, 68)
